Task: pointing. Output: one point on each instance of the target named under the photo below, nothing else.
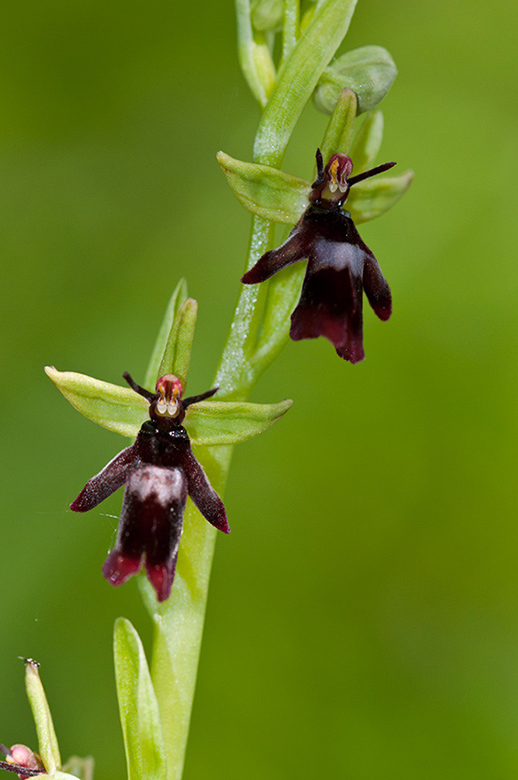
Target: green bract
(178, 298)
(139, 714)
(368, 71)
(340, 128)
(47, 740)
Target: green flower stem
(248, 352)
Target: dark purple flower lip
(340, 266)
(159, 471)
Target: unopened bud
(20, 758)
(368, 71)
(267, 14)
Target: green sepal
(118, 409)
(177, 352)
(123, 411)
(230, 422)
(340, 129)
(58, 775)
(371, 198)
(369, 71)
(367, 143)
(139, 714)
(176, 300)
(265, 191)
(47, 741)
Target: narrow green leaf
(266, 191)
(369, 71)
(177, 299)
(177, 352)
(340, 129)
(373, 197)
(298, 78)
(118, 409)
(140, 718)
(47, 740)
(230, 422)
(367, 143)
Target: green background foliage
(363, 616)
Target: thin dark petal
(293, 249)
(320, 170)
(376, 288)
(203, 494)
(106, 482)
(138, 389)
(151, 525)
(195, 399)
(371, 172)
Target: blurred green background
(363, 616)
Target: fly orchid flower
(159, 471)
(340, 266)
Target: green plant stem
(252, 344)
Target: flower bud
(24, 756)
(368, 71)
(267, 14)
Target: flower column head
(340, 266)
(159, 471)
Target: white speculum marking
(165, 485)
